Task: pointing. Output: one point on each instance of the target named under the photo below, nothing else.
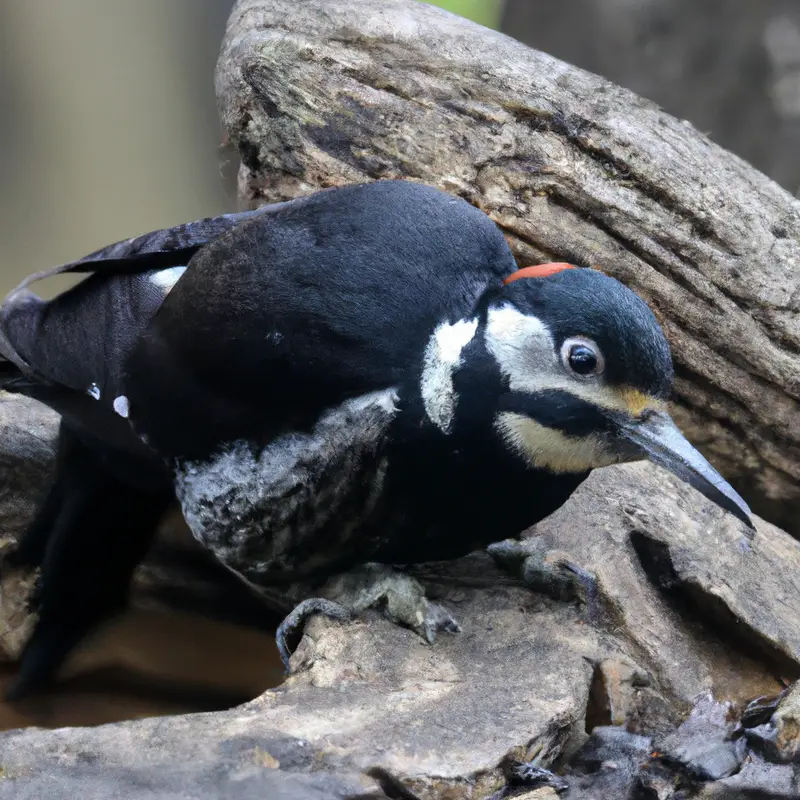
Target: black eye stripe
(557, 409)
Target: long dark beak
(658, 439)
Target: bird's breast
(298, 507)
(356, 487)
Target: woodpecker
(358, 378)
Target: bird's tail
(16, 374)
(13, 367)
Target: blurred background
(108, 123)
(108, 128)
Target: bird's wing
(161, 251)
(155, 250)
(331, 297)
(279, 314)
(67, 351)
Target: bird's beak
(657, 438)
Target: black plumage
(336, 380)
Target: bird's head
(582, 373)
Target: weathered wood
(674, 617)
(326, 92)
(734, 81)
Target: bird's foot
(401, 597)
(532, 777)
(296, 619)
(546, 571)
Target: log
(327, 92)
(734, 81)
(600, 689)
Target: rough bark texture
(27, 447)
(599, 686)
(327, 92)
(682, 620)
(739, 82)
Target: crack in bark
(694, 604)
(572, 128)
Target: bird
(329, 387)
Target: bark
(739, 82)
(327, 92)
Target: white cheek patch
(525, 351)
(442, 359)
(523, 347)
(166, 278)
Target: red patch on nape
(538, 271)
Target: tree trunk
(739, 82)
(327, 92)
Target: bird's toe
(401, 597)
(436, 619)
(545, 570)
(294, 622)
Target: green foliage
(486, 12)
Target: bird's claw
(558, 578)
(402, 598)
(436, 618)
(295, 621)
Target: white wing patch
(121, 406)
(442, 359)
(166, 278)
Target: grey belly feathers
(267, 514)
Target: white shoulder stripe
(442, 359)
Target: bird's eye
(582, 357)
